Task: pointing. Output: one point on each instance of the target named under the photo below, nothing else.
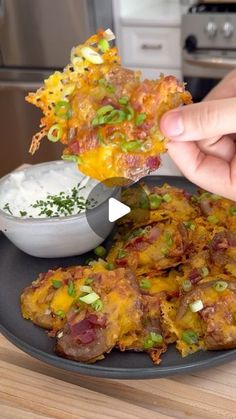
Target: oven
(209, 45)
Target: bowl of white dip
(43, 210)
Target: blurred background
(195, 41)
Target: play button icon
(111, 200)
(117, 210)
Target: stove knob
(190, 43)
(211, 29)
(227, 29)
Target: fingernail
(173, 124)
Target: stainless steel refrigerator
(36, 37)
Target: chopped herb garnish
(56, 283)
(88, 281)
(7, 208)
(100, 251)
(61, 314)
(122, 254)
(23, 213)
(167, 197)
(232, 210)
(97, 305)
(110, 266)
(190, 225)
(140, 118)
(145, 284)
(190, 337)
(212, 219)
(168, 238)
(71, 289)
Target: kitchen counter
(32, 389)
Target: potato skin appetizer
(170, 279)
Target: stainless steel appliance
(209, 45)
(36, 37)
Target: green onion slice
(86, 288)
(88, 281)
(122, 254)
(186, 285)
(104, 110)
(190, 337)
(100, 251)
(232, 210)
(69, 157)
(129, 146)
(70, 288)
(97, 305)
(60, 313)
(103, 45)
(167, 197)
(55, 133)
(123, 100)
(220, 286)
(140, 118)
(56, 284)
(63, 109)
(212, 219)
(89, 298)
(155, 201)
(145, 284)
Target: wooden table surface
(32, 389)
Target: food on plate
(169, 280)
(203, 318)
(107, 118)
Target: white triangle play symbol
(116, 210)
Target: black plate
(17, 270)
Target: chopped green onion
(103, 45)
(140, 118)
(97, 305)
(100, 251)
(232, 210)
(63, 109)
(60, 313)
(204, 271)
(23, 213)
(129, 146)
(220, 286)
(167, 197)
(145, 284)
(186, 285)
(123, 100)
(148, 343)
(122, 254)
(212, 219)
(91, 55)
(115, 117)
(196, 306)
(70, 288)
(156, 337)
(110, 266)
(86, 288)
(104, 83)
(168, 238)
(56, 283)
(55, 133)
(104, 110)
(190, 225)
(69, 157)
(129, 113)
(88, 281)
(190, 337)
(155, 201)
(89, 298)
(205, 195)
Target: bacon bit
(110, 101)
(153, 162)
(194, 276)
(223, 240)
(121, 262)
(207, 312)
(153, 235)
(97, 321)
(74, 147)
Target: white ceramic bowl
(57, 236)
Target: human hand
(203, 139)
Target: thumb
(201, 120)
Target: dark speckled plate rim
(155, 371)
(119, 373)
